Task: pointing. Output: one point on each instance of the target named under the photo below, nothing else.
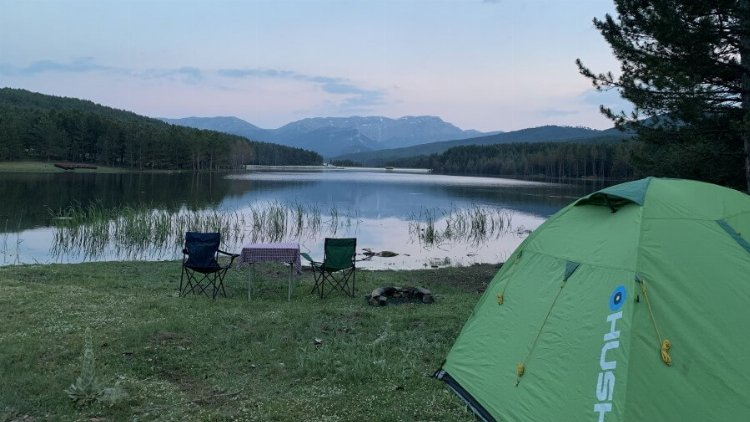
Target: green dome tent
(630, 304)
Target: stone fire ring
(382, 295)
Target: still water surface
(385, 211)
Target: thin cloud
(85, 65)
(351, 97)
(356, 98)
(79, 65)
(186, 74)
(609, 98)
(260, 73)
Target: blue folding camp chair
(201, 271)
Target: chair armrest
(308, 257)
(233, 255)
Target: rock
(384, 254)
(426, 295)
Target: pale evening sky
(479, 64)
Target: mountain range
(335, 136)
(375, 139)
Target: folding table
(287, 253)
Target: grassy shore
(42, 167)
(194, 358)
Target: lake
(428, 220)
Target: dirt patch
(188, 385)
(163, 337)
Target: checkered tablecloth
(266, 252)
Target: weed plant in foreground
(194, 358)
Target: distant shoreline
(337, 168)
(50, 167)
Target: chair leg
(340, 280)
(329, 279)
(196, 284)
(203, 284)
(210, 284)
(214, 287)
(219, 287)
(190, 284)
(182, 276)
(318, 278)
(319, 281)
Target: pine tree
(685, 67)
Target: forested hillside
(46, 128)
(556, 160)
(542, 134)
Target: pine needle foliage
(685, 68)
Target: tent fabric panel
(562, 368)
(591, 235)
(485, 353)
(561, 374)
(696, 279)
(674, 198)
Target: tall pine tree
(685, 66)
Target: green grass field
(194, 358)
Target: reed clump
(140, 232)
(144, 231)
(476, 225)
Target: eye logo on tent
(617, 298)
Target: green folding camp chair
(337, 271)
